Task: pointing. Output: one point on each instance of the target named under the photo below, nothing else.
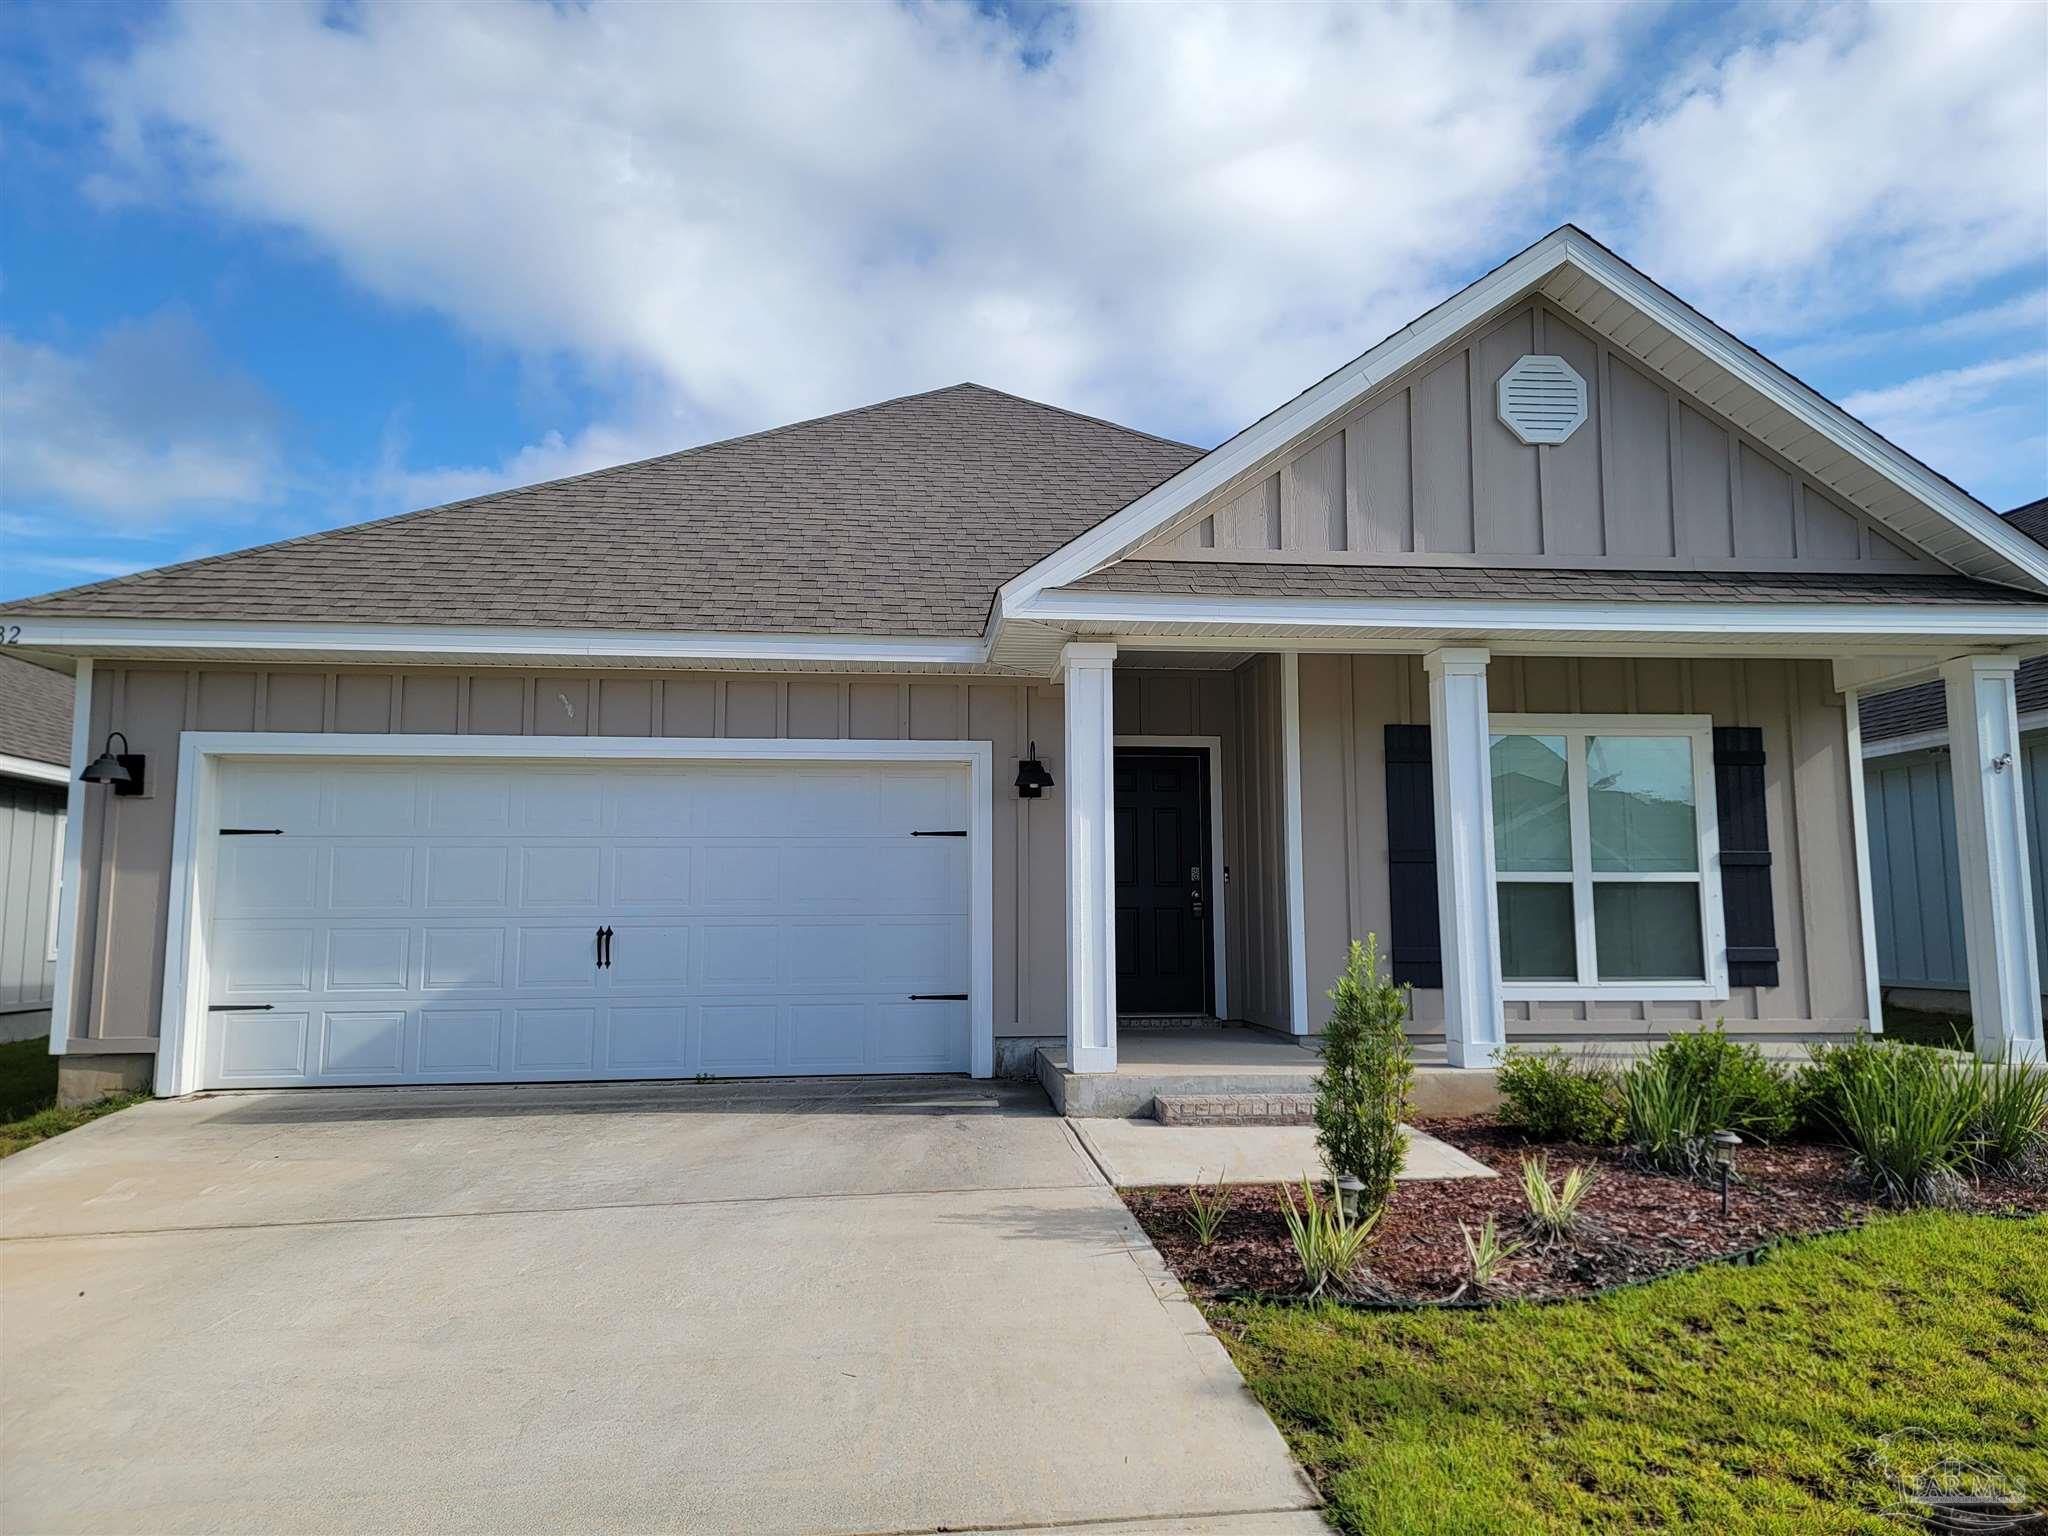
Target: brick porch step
(1234, 1108)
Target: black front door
(1162, 881)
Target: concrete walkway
(877, 1306)
(1135, 1153)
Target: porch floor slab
(1232, 1059)
(1136, 1153)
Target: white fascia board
(1505, 285)
(96, 636)
(1104, 610)
(28, 768)
(1272, 432)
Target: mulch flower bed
(1637, 1225)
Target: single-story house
(1921, 954)
(35, 745)
(927, 735)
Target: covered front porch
(1555, 839)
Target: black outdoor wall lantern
(123, 769)
(1032, 778)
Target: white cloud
(143, 424)
(1176, 216)
(1861, 153)
(1182, 214)
(1985, 425)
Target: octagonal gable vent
(1542, 399)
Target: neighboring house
(730, 762)
(35, 744)
(1922, 958)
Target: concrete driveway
(852, 1306)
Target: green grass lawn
(28, 1098)
(1728, 1400)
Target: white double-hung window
(1606, 863)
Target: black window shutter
(1416, 942)
(1745, 856)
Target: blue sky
(275, 268)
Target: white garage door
(393, 923)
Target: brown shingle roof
(35, 712)
(1247, 579)
(895, 519)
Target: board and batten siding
(31, 849)
(1347, 701)
(1424, 472)
(127, 841)
(1916, 888)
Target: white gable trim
(2025, 560)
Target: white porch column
(1991, 855)
(1474, 1027)
(1087, 672)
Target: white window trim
(1699, 729)
(201, 754)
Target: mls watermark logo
(1938, 1489)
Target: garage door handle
(961, 833)
(241, 1007)
(604, 949)
(938, 997)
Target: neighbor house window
(1605, 874)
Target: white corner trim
(1219, 855)
(201, 754)
(1859, 823)
(64, 994)
(1502, 616)
(77, 636)
(1297, 880)
(29, 768)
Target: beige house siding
(1425, 473)
(127, 842)
(1348, 700)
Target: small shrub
(1666, 1130)
(1487, 1252)
(2012, 1116)
(1737, 1089)
(1362, 1090)
(1551, 1097)
(1908, 1115)
(1822, 1085)
(1207, 1208)
(1554, 1213)
(1328, 1242)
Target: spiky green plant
(1666, 1130)
(1487, 1252)
(1328, 1242)
(1554, 1212)
(1908, 1116)
(2012, 1115)
(1207, 1208)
